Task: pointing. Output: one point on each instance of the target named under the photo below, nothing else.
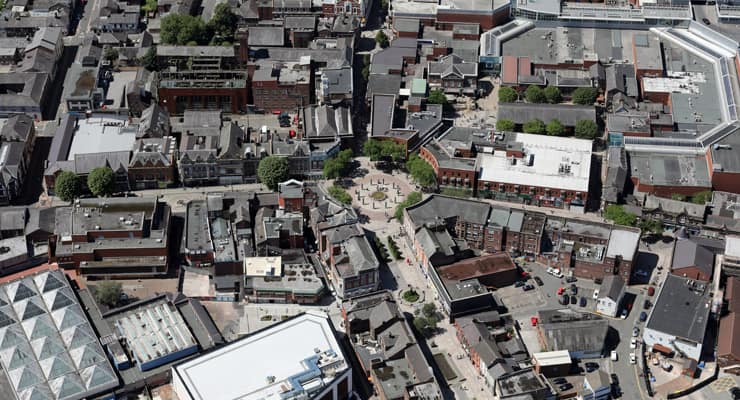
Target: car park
(538, 280)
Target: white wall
(651, 337)
(607, 306)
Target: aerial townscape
(369, 199)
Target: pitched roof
(612, 287)
(688, 253)
(453, 66)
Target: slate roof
(435, 207)
(688, 253)
(681, 310)
(453, 66)
(612, 287)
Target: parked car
(596, 294)
(615, 379)
(706, 21)
(614, 357)
(633, 343)
(559, 381)
(582, 302)
(565, 387)
(560, 291)
(571, 279)
(573, 300)
(518, 284)
(635, 332)
(533, 320)
(564, 299)
(624, 314)
(735, 393)
(591, 366)
(538, 281)
(528, 287)
(633, 358)
(651, 290)
(574, 289)
(643, 316)
(646, 305)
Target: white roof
(552, 357)
(256, 367)
(732, 246)
(549, 153)
(623, 243)
(102, 134)
(263, 266)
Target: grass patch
(455, 192)
(340, 194)
(378, 196)
(411, 296)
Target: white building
(298, 358)
(611, 294)
(678, 321)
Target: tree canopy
(110, 54)
(617, 214)
(273, 170)
(222, 24)
(653, 226)
(67, 186)
(535, 94)
(437, 96)
(101, 181)
(183, 29)
(507, 95)
(149, 59)
(149, 6)
(585, 96)
(534, 126)
(338, 165)
(381, 39)
(702, 197)
(383, 149)
(426, 322)
(586, 129)
(411, 199)
(108, 293)
(505, 125)
(554, 128)
(421, 171)
(552, 94)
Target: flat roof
(551, 156)
(623, 243)
(682, 309)
(670, 169)
(282, 350)
(102, 134)
(263, 266)
(547, 358)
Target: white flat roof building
(263, 266)
(102, 134)
(548, 162)
(548, 358)
(294, 359)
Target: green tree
(505, 125)
(67, 186)
(585, 96)
(677, 196)
(110, 54)
(108, 293)
(586, 129)
(534, 126)
(652, 226)
(421, 171)
(222, 24)
(273, 170)
(535, 94)
(411, 199)
(338, 165)
(429, 310)
(101, 181)
(702, 197)
(437, 96)
(340, 194)
(183, 29)
(617, 214)
(149, 60)
(555, 128)
(383, 149)
(381, 39)
(149, 6)
(507, 95)
(552, 94)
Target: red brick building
(281, 86)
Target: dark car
(564, 299)
(583, 302)
(573, 300)
(559, 381)
(735, 393)
(574, 289)
(571, 279)
(706, 21)
(527, 287)
(565, 387)
(615, 379)
(538, 281)
(591, 366)
(643, 316)
(518, 284)
(646, 304)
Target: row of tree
(184, 29)
(584, 129)
(100, 182)
(550, 94)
